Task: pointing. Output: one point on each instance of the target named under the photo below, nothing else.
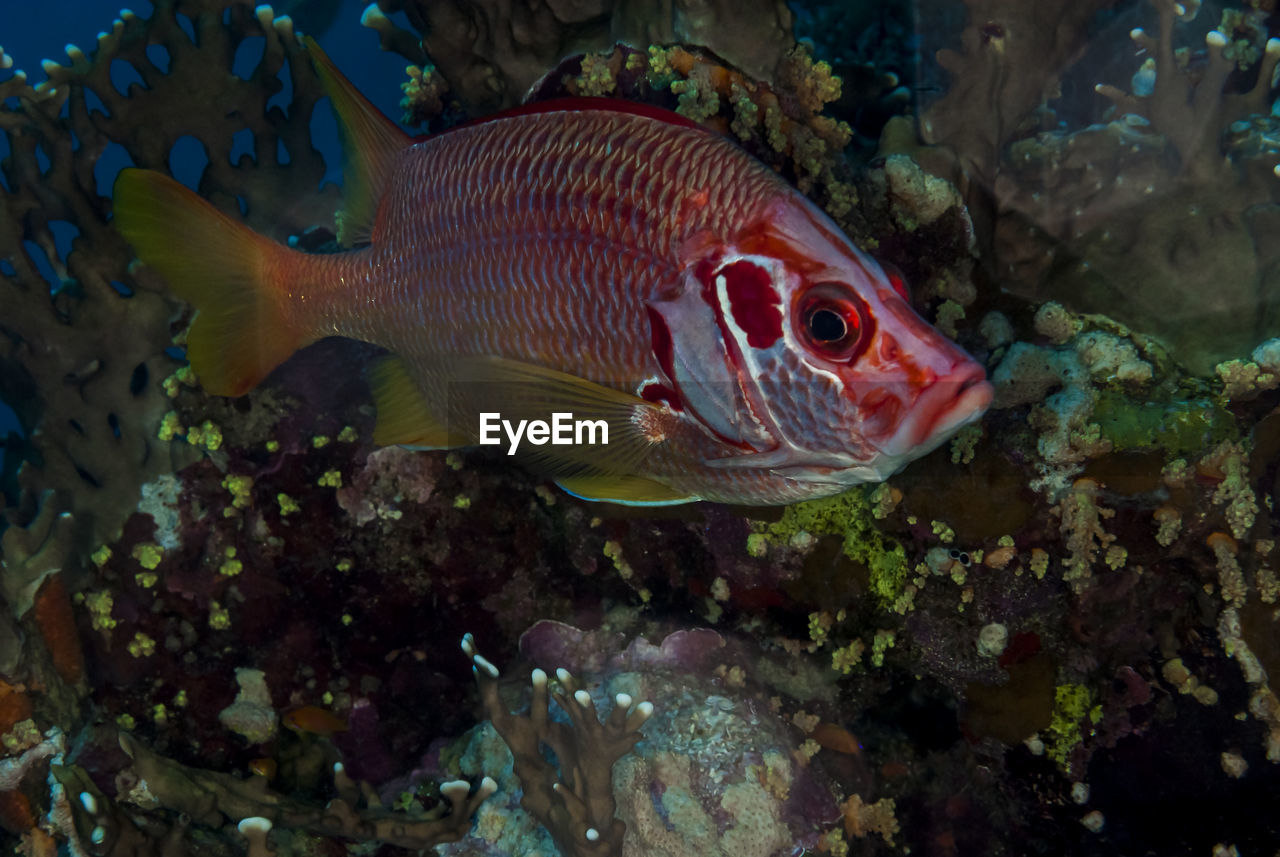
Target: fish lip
(950, 403)
(971, 401)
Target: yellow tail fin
(219, 265)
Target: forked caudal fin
(219, 265)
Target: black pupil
(827, 326)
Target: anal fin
(625, 490)
(404, 416)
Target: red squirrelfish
(647, 311)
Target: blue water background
(31, 32)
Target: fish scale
(450, 249)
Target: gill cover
(690, 342)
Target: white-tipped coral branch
(574, 801)
(1190, 109)
(213, 798)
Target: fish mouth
(943, 408)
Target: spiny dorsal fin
(370, 142)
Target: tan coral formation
(1129, 217)
(491, 52)
(1009, 61)
(94, 351)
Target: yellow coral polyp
(613, 550)
(148, 555)
(330, 479)
(881, 643)
(596, 78)
(170, 426)
(288, 506)
(219, 616)
(206, 435)
(819, 624)
(231, 568)
(844, 659)
(850, 516)
(423, 93)
(99, 605)
(1072, 702)
(239, 487)
(24, 735)
(141, 646)
(945, 534)
(660, 63)
(184, 377)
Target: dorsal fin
(370, 142)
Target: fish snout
(950, 402)
(953, 401)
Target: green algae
(1178, 427)
(1072, 704)
(850, 516)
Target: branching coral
(84, 341)
(1083, 531)
(1129, 217)
(717, 774)
(1190, 110)
(575, 803)
(213, 799)
(1008, 63)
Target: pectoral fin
(524, 391)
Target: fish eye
(826, 325)
(833, 322)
